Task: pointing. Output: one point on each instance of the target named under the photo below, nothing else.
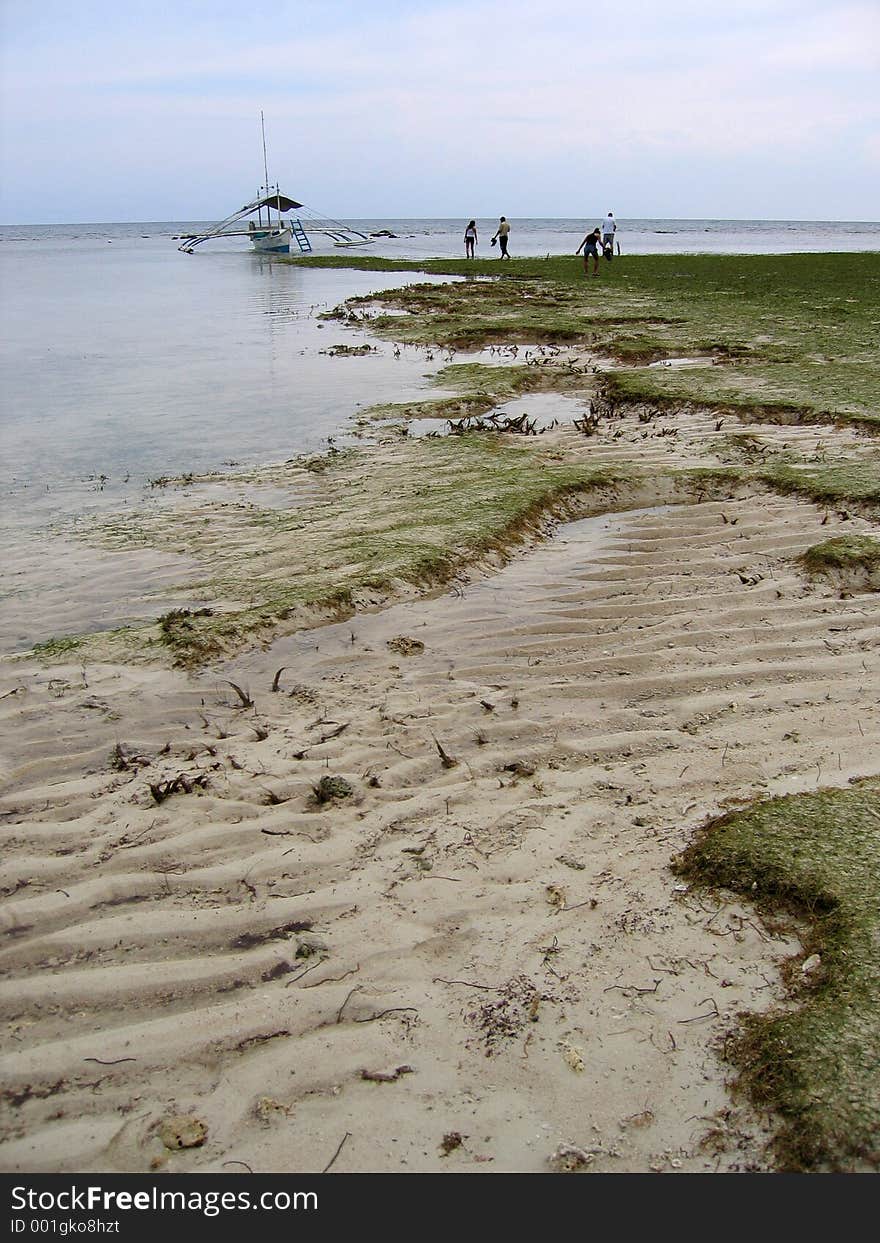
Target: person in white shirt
(609, 228)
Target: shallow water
(417, 238)
(544, 410)
(128, 363)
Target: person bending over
(590, 245)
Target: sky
(750, 109)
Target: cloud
(401, 100)
(845, 37)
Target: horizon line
(14, 224)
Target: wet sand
(482, 939)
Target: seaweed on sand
(816, 1064)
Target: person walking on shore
(501, 235)
(590, 246)
(609, 228)
(470, 239)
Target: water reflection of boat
(263, 222)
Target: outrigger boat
(272, 234)
(267, 235)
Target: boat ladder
(301, 236)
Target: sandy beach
(440, 615)
(404, 880)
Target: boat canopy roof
(279, 201)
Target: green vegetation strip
(844, 480)
(408, 514)
(798, 335)
(818, 1065)
(851, 481)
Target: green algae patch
(816, 858)
(850, 560)
(190, 642)
(60, 646)
(481, 387)
(844, 552)
(802, 392)
(791, 336)
(855, 481)
(468, 405)
(504, 382)
(375, 524)
(748, 461)
(472, 314)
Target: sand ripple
(503, 922)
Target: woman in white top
(470, 239)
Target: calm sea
(123, 360)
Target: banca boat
(263, 222)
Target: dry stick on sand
(714, 1013)
(314, 967)
(345, 1003)
(334, 733)
(346, 1136)
(334, 979)
(633, 988)
(371, 1018)
(488, 988)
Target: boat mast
(266, 170)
